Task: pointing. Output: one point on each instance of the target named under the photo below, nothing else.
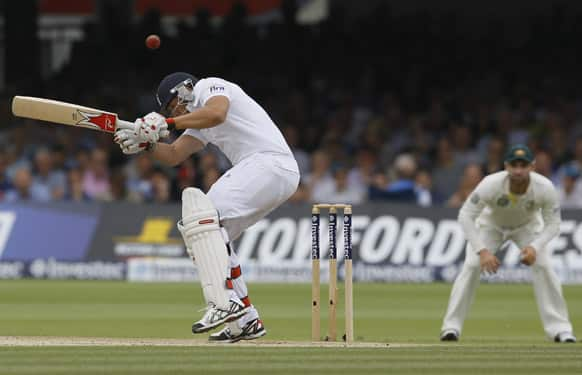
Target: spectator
(567, 190)
(16, 160)
(320, 179)
(96, 177)
(472, 175)
(5, 184)
(360, 176)
(161, 186)
(59, 158)
(543, 164)
(576, 162)
(118, 185)
(578, 152)
(75, 190)
(557, 145)
(447, 113)
(495, 152)
(512, 128)
(423, 184)
(21, 190)
(447, 172)
(48, 184)
(340, 191)
(463, 154)
(139, 184)
(403, 189)
(378, 183)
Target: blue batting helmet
(167, 87)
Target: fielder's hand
(489, 262)
(528, 255)
(129, 142)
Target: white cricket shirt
(247, 130)
(492, 204)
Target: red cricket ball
(153, 41)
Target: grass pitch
(502, 335)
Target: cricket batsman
(516, 205)
(264, 175)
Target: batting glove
(149, 128)
(155, 126)
(129, 142)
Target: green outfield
(502, 335)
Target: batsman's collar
(519, 152)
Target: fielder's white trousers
(551, 304)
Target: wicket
(315, 269)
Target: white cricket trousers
(251, 189)
(244, 195)
(548, 292)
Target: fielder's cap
(166, 92)
(519, 152)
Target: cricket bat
(65, 113)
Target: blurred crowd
(408, 108)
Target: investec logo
(7, 220)
(154, 240)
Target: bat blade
(64, 113)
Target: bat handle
(123, 124)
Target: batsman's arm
(174, 153)
(552, 217)
(213, 113)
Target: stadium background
(397, 107)
(383, 105)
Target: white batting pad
(201, 232)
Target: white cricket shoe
(215, 316)
(252, 330)
(565, 337)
